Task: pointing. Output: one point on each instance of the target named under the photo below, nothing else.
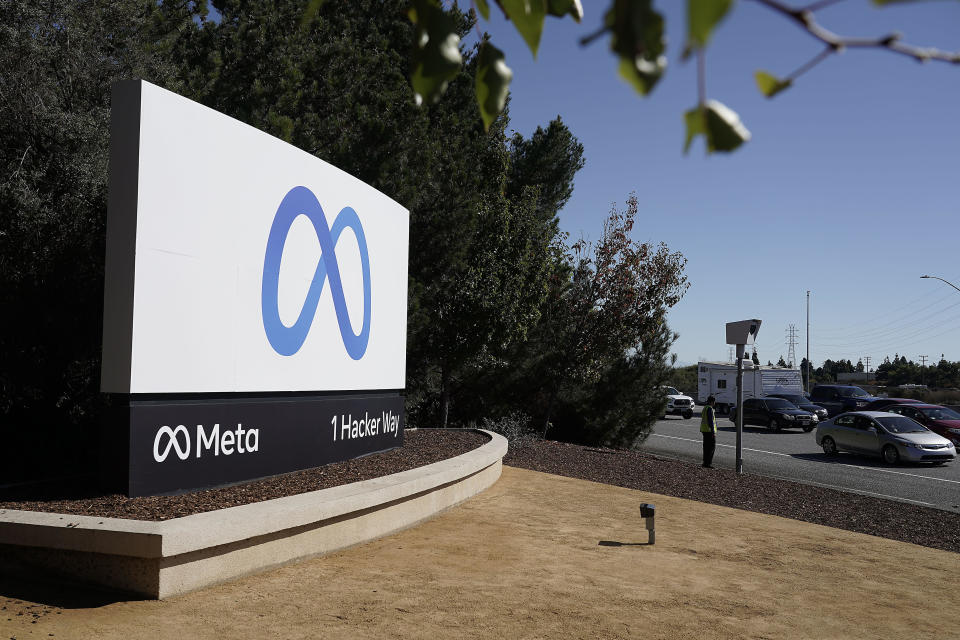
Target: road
(794, 455)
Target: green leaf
(642, 73)
(493, 83)
(560, 8)
(436, 50)
(702, 17)
(639, 41)
(527, 16)
(725, 132)
(313, 8)
(769, 84)
(696, 126)
(483, 8)
(719, 124)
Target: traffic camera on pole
(741, 334)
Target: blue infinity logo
(287, 340)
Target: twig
(816, 6)
(817, 59)
(701, 77)
(20, 166)
(587, 39)
(890, 42)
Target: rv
(719, 379)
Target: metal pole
(942, 280)
(807, 386)
(740, 408)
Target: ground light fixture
(942, 280)
(648, 512)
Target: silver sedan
(891, 436)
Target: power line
(890, 337)
(879, 334)
(912, 311)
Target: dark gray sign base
(170, 444)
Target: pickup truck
(677, 403)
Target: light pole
(952, 285)
(942, 280)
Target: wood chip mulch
(634, 470)
(631, 469)
(82, 498)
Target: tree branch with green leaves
(637, 37)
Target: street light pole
(942, 280)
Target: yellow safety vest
(708, 420)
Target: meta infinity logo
(172, 441)
(287, 340)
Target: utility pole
(923, 365)
(807, 388)
(791, 343)
(867, 362)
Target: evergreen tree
(58, 61)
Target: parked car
(678, 404)
(940, 420)
(889, 435)
(775, 413)
(881, 404)
(801, 402)
(839, 398)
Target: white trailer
(719, 379)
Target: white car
(677, 403)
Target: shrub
(517, 427)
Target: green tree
(57, 62)
(485, 304)
(609, 303)
(623, 403)
(548, 160)
(684, 379)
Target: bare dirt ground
(545, 556)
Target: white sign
(239, 263)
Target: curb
(171, 557)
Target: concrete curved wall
(162, 559)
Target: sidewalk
(543, 556)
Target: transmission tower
(791, 344)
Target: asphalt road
(794, 455)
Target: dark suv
(775, 413)
(801, 402)
(840, 398)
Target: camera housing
(743, 331)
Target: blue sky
(849, 187)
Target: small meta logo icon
(287, 340)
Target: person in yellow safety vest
(708, 427)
